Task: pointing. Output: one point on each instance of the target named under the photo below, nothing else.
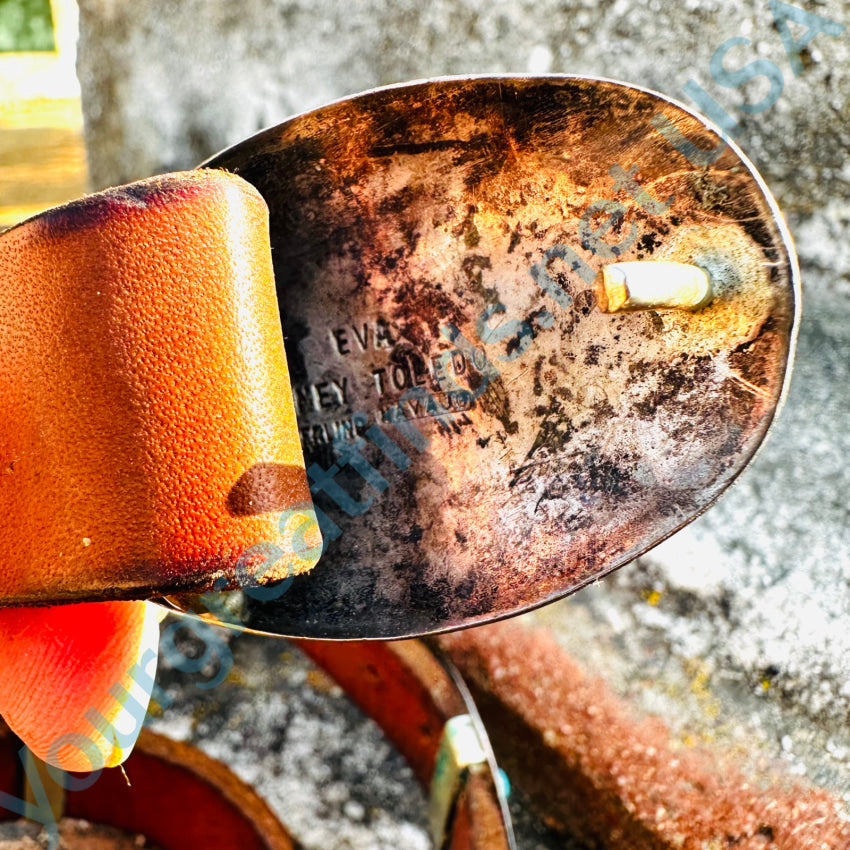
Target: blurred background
(736, 632)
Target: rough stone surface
(166, 85)
(290, 732)
(287, 729)
(735, 631)
(744, 612)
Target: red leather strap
(401, 685)
(180, 798)
(409, 694)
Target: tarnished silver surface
(498, 441)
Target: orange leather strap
(411, 696)
(147, 427)
(148, 437)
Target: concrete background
(736, 631)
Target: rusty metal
(500, 442)
(592, 766)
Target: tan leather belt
(143, 380)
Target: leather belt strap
(180, 798)
(588, 766)
(129, 475)
(401, 685)
(412, 697)
(147, 427)
(614, 780)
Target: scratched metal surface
(493, 458)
